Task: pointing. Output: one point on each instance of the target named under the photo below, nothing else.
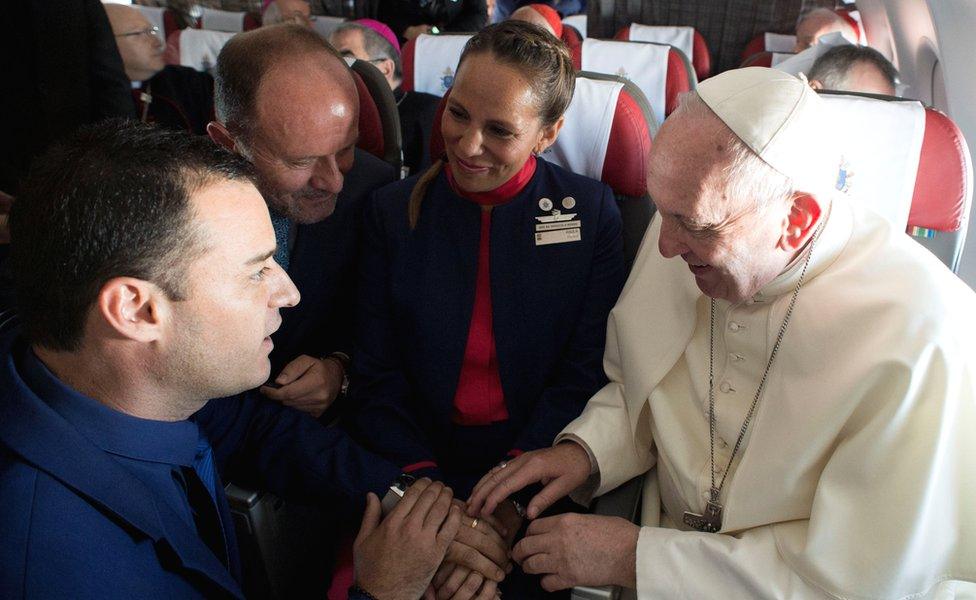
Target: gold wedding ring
(474, 524)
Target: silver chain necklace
(711, 520)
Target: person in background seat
(298, 12)
(411, 18)
(486, 280)
(819, 22)
(287, 102)
(854, 69)
(542, 15)
(369, 40)
(146, 280)
(171, 96)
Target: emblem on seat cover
(448, 79)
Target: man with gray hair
(852, 68)
(374, 42)
(798, 390)
(298, 12)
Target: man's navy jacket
(76, 523)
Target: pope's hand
(397, 558)
(562, 469)
(573, 549)
(309, 384)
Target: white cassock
(857, 478)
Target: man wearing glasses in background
(170, 96)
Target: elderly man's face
(818, 24)
(304, 136)
(295, 11)
(140, 48)
(221, 332)
(730, 246)
(350, 43)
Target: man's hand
(561, 469)
(480, 547)
(309, 384)
(397, 558)
(455, 582)
(573, 549)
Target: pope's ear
(221, 136)
(132, 307)
(801, 222)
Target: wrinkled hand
(309, 384)
(6, 201)
(396, 559)
(415, 31)
(482, 548)
(573, 549)
(456, 582)
(562, 469)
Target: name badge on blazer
(557, 228)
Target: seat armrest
(623, 501)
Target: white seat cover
(644, 64)
(435, 62)
(578, 22)
(582, 143)
(682, 38)
(779, 58)
(155, 16)
(222, 20)
(199, 48)
(779, 42)
(326, 25)
(880, 143)
(802, 62)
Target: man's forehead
(230, 210)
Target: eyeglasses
(148, 31)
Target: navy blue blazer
(76, 524)
(324, 265)
(549, 311)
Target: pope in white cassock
(795, 378)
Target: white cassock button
(735, 357)
(725, 387)
(734, 326)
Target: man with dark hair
(376, 43)
(287, 102)
(852, 68)
(171, 96)
(146, 281)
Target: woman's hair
(544, 60)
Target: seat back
(768, 42)
(572, 37)
(379, 120)
(430, 62)
(225, 20)
(767, 59)
(606, 135)
(686, 39)
(577, 22)
(657, 69)
(196, 48)
(907, 162)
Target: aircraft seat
(660, 71)
(766, 59)
(607, 136)
(379, 120)
(577, 22)
(907, 162)
(572, 37)
(430, 62)
(686, 39)
(768, 42)
(197, 48)
(224, 20)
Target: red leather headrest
(571, 37)
(370, 124)
(625, 165)
(251, 22)
(171, 55)
(406, 64)
(759, 59)
(942, 186)
(755, 46)
(701, 59)
(171, 22)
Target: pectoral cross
(711, 520)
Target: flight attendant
(487, 280)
